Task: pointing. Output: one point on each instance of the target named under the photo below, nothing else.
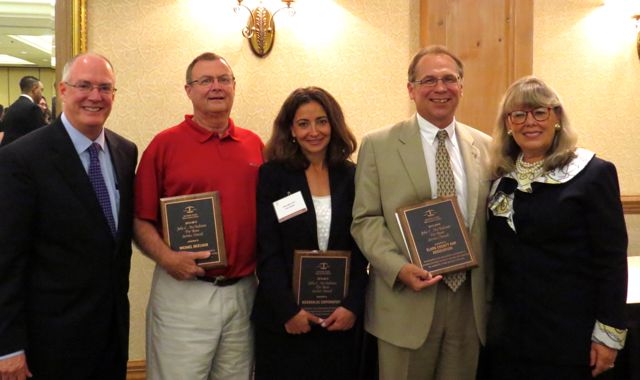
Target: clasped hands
(341, 319)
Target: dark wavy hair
(282, 148)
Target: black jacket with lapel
(65, 277)
(275, 303)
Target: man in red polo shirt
(198, 321)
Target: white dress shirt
(428, 133)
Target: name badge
(289, 206)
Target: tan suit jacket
(391, 173)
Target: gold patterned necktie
(447, 187)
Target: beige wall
(360, 57)
(357, 50)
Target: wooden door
(494, 40)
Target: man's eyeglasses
(447, 80)
(86, 87)
(223, 80)
(539, 114)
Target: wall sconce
(260, 29)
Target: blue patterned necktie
(99, 186)
(447, 187)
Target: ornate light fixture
(260, 29)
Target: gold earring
(557, 126)
(509, 132)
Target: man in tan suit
(425, 329)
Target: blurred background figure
(24, 115)
(46, 112)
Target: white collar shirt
(428, 133)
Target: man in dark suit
(66, 202)
(24, 115)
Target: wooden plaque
(321, 280)
(435, 236)
(193, 223)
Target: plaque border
(214, 197)
(299, 255)
(410, 242)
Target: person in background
(558, 238)
(426, 328)
(46, 113)
(198, 322)
(66, 206)
(1, 127)
(24, 115)
(308, 153)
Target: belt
(220, 280)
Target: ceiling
(27, 32)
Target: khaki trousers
(451, 349)
(199, 331)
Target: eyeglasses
(539, 114)
(447, 80)
(86, 87)
(224, 80)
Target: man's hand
(14, 368)
(182, 265)
(602, 358)
(416, 278)
(301, 322)
(340, 320)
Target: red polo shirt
(189, 159)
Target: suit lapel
(119, 161)
(66, 160)
(412, 156)
(470, 157)
(308, 217)
(338, 194)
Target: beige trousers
(199, 331)
(451, 349)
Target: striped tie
(447, 187)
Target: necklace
(528, 171)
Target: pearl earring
(557, 126)
(509, 132)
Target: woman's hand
(601, 358)
(301, 322)
(341, 319)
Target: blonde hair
(531, 92)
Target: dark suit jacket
(65, 278)
(275, 303)
(565, 268)
(22, 117)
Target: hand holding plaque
(192, 223)
(321, 280)
(435, 236)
